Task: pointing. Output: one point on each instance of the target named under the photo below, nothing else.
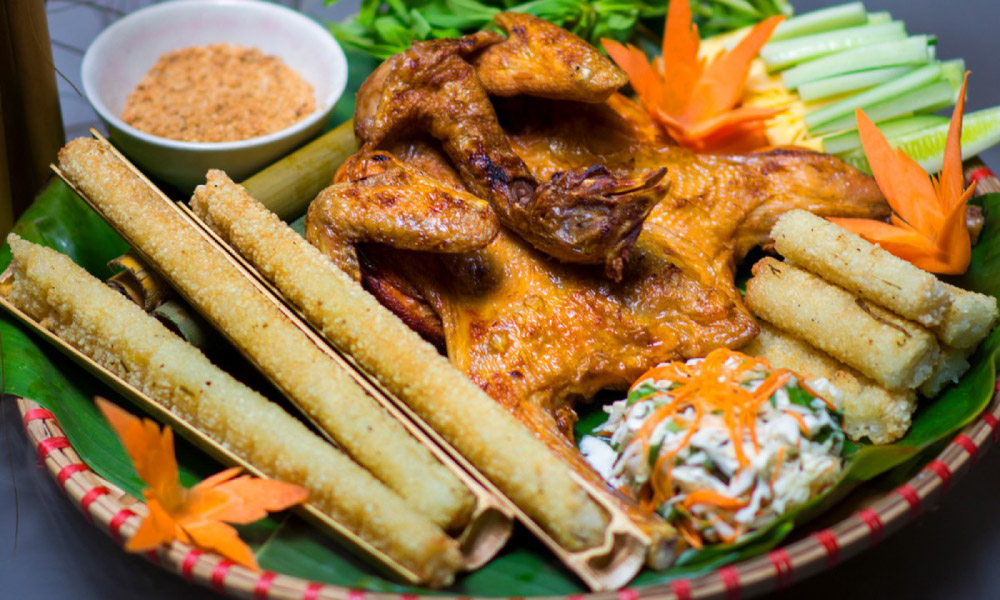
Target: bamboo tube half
(430, 391)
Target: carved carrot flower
(928, 225)
(695, 99)
(196, 515)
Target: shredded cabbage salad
(721, 446)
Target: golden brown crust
(897, 353)
(284, 353)
(861, 267)
(479, 428)
(135, 346)
(969, 318)
(870, 411)
(544, 60)
(394, 203)
(430, 487)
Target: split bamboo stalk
(32, 127)
(289, 185)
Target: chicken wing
(587, 216)
(546, 61)
(392, 203)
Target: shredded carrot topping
(715, 388)
(687, 444)
(713, 498)
(693, 99)
(801, 421)
(928, 225)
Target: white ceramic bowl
(122, 54)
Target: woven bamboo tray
(119, 514)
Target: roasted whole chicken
(514, 208)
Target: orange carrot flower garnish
(197, 515)
(928, 225)
(693, 99)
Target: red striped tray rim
(118, 514)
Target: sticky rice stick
(951, 365)
(861, 267)
(969, 318)
(869, 409)
(135, 346)
(496, 443)
(897, 353)
(302, 371)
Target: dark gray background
(47, 550)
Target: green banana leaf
(33, 370)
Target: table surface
(49, 551)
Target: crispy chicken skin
(718, 207)
(546, 61)
(391, 202)
(539, 333)
(390, 98)
(585, 215)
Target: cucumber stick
(954, 72)
(922, 98)
(835, 17)
(874, 18)
(893, 128)
(849, 82)
(890, 89)
(781, 55)
(980, 130)
(910, 51)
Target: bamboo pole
(289, 185)
(32, 123)
(6, 195)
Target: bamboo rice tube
(897, 353)
(857, 265)
(951, 365)
(477, 426)
(315, 383)
(870, 411)
(969, 318)
(121, 337)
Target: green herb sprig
(386, 27)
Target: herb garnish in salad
(721, 446)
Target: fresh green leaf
(58, 218)
(420, 25)
(984, 269)
(797, 395)
(386, 27)
(392, 30)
